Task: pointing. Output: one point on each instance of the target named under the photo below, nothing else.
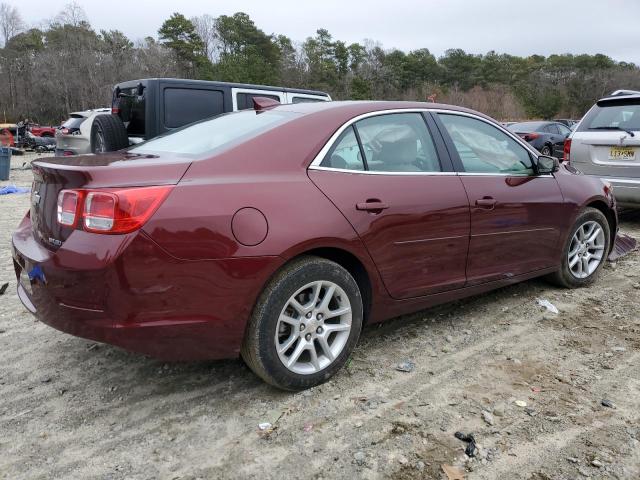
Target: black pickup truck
(143, 109)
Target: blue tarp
(6, 190)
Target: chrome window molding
(315, 164)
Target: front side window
(483, 148)
(563, 129)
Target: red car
(40, 131)
(277, 233)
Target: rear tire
(579, 267)
(322, 339)
(108, 134)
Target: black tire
(259, 346)
(108, 134)
(564, 277)
(546, 150)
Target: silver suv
(606, 144)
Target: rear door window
(187, 105)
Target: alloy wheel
(586, 251)
(313, 327)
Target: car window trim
(317, 160)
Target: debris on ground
(548, 305)
(4, 287)
(265, 426)
(607, 403)
(487, 417)
(406, 366)
(453, 473)
(520, 403)
(8, 189)
(470, 451)
(623, 245)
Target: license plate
(622, 153)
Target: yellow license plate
(622, 153)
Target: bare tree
(206, 30)
(10, 22)
(72, 14)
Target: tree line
(66, 65)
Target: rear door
(607, 141)
(516, 215)
(404, 200)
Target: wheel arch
(602, 206)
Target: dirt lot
(70, 408)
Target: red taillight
(68, 153)
(531, 136)
(120, 210)
(67, 211)
(64, 131)
(566, 151)
(115, 110)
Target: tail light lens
(67, 211)
(531, 136)
(115, 211)
(566, 151)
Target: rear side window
(211, 135)
(483, 148)
(187, 105)
(245, 100)
(345, 154)
(614, 115)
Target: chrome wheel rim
(313, 327)
(586, 250)
(100, 144)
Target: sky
(507, 26)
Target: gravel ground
(71, 408)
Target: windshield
(625, 117)
(209, 135)
(525, 127)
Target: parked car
(40, 131)
(38, 144)
(606, 144)
(546, 137)
(567, 122)
(74, 135)
(277, 233)
(144, 109)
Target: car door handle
(486, 202)
(372, 206)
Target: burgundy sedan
(276, 234)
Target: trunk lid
(607, 153)
(118, 169)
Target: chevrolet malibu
(277, 233)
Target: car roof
(183, 81)
(352, 108)
(620, 98)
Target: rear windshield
(132, 112)
(74, 121)
(525, 127)
(207, 136)
(622, 114)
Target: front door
(385, 176)
(516, 215)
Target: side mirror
(139, 89)
(546, 164)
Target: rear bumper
(626, 190)
(127, 291)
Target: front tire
(305, 324)
(585, 250)
(546, 150)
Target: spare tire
(108, 134)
